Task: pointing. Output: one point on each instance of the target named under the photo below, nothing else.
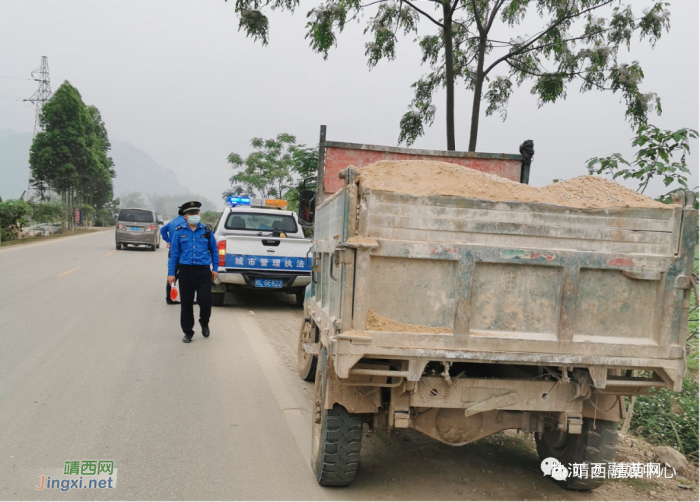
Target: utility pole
(40, 97)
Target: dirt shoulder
(41, 238)
(407, 465)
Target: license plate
(135, 229)
(268, 283)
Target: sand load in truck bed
(442, 178)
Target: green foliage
(12, 216)
(47, 211)
(655, 419)
(577, 42)
(210, 218)
(70, 155)
(654, 159)
(104, 217)
(304, 167)
(267, 172)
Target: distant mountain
(136, 170)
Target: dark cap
(189, 207)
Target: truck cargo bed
(517, 283)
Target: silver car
(138, 227)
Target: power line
(19, 97)
(17, 78)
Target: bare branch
(496, 8)
(424, 13)
(479, 26)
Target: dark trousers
(194, 278)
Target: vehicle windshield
(136, 216)
(260, 221)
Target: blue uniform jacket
(167, 230)
(189, 247)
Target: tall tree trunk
(478, 86)
(449, 73)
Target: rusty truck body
(504, 315)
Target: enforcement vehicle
(262, 247)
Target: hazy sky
(177, 79)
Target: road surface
(92, 367)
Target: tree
(576, 43)
(654, 159)
(304, 167)
(132, 199)
(267, 171)
(69, 156)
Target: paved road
(92, 368)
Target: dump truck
(461, 318)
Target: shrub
(669, 418)
(12, 216)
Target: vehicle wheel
(300, 298)
(119, 246)
(158, 245)
(336, 436)
(594, 445)
(217, 299)
(152, 248)
(306, 362)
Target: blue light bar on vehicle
(234, 201)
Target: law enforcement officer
(166, 231)
(193, 247)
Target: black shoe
(169, 301)
(187, 339)
(205, 331)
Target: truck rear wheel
(595, 444)
(306, 363)
(217, 299)
(336, 436)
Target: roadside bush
(670, 418)
(12, 216)
(47, 211)
(88, 213)
(104, 218)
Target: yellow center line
(112, 251)
(69, 271)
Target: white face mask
(193, 219)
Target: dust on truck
(461, 317)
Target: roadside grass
(41, 238)
(671, 418)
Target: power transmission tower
(40, 97)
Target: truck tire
(336, 436)
(594, 445)
(217, 299)
(306, 363)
